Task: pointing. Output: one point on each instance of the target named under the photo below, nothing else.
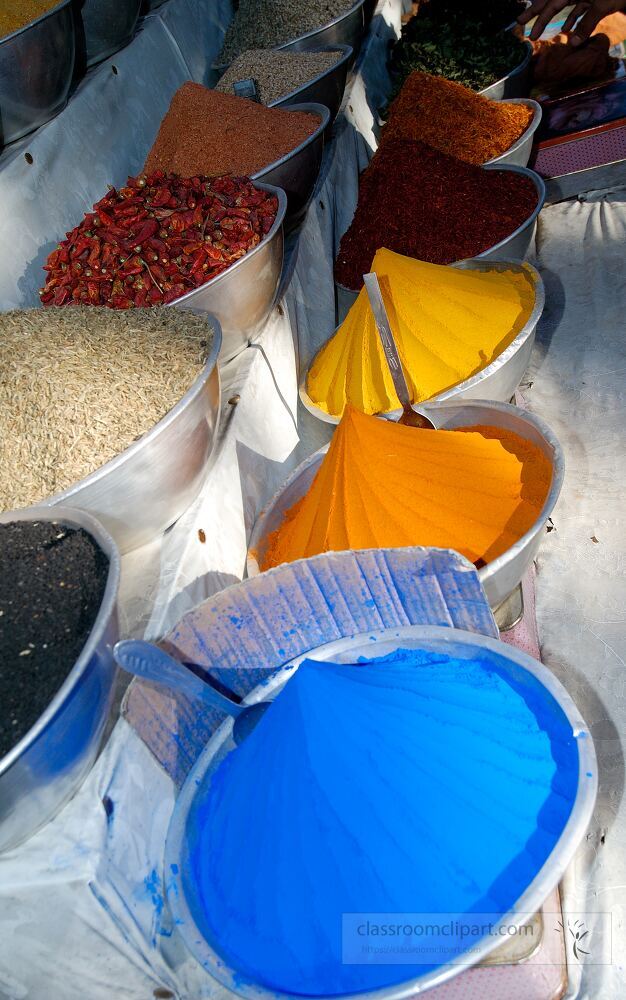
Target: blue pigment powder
(410, 784)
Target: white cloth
(578, 384)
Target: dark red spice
(156, 239)
(425, 204)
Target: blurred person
(586, 16)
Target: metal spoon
(143, 659)
(409, 416)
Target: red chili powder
(208, 133)
(417, 201)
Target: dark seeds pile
(52, 581)
(262, 24)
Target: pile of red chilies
(156, 239)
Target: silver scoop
(143, 659)
(410, 417)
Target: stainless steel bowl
(243, 296)
(500, 577)
(297, 172)
(517, 244)
(519, 153)
(499, 380)
(451, 642)
(326, 88)
(36, 66)
(109, 26)
(347, 29)
(46, 767)
(514, 84)
(145, 489)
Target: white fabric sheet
(578, 384)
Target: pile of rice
(79, 385)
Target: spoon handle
(143, 659)
(383, 325)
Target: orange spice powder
(454, 119)
(383, 485)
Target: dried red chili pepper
(147, 243)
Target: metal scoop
(143, 659)
(409, 416)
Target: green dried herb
(456, 50)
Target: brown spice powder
(210, 133)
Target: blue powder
(433, 785)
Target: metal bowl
(501, 576)
(519, 153)
(109, 25)
(516, 245)
(514, 84)
(297, 172)
(145, 489)
(242, 297)
(46, 767)
(500, 379)
(36, 66)
(452, 642)
(326, 88)
(347, 29)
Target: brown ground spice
(210, 133)
(454, 119)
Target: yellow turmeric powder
(448, 324)
(383, 485)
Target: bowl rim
(532, 218)
(451, 394)
(197, 386)
(346, 55)
(309, 108)
(73, 518)
(42, 17)
(329, 24)
(520, 68)
(530, 900)
(550, 439)
(269, 236)
(528, 132)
